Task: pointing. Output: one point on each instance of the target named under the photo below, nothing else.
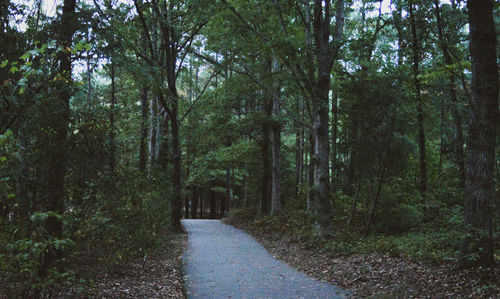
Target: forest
(346, 127)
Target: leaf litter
(378, 275)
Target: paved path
(225, 262)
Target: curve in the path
(225, 262)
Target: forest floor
(375, 275)
(158, 275)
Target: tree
(326, 51)
(57, 153)
(484, 116)
(178, 31)
(418, 96)
(457, 117)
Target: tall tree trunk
(194, 202)
(353, 138)
(299, 152)
(186, 207)
(245, 192)
(310, 178)
(420, 109)
(299, 163)
(266, 176)
(321, 199)
(457, 117)
(176, 163)
(228, 189)
(326, 53)
(144, 130)
(169, 37)
(213, 205)
(112, 146)
(479, 185)
(202, 204)
(162, 141)
(441, 142)
(334, 136)
(153, 111)
(57, 146)
(89, 73)
(276, 146)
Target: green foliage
(115, 209)
(23, 268)
(400, 218)
(297, 226)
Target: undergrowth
(297, 226)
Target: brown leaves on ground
(383, 276)
(156, 276)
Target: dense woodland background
(371, 124)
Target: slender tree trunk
(382, 171)
(420, 109)
(441, 141)
(144, 130)
(202, 205)
(334, 137)
(355, 204)
(299, 152)
(457, 118)
(298, 163)
(276, 146)
(381, 178)
(222, 206)
(234, 204)
(112, 146)
(194, 202)
(89, 74)
(162, 156)
(186, 207)
(176, 163)
(459, 133)
(266, 176)
(22, 183)
(310, 180)
(353, 157)
(213, 205)
(245, 192)
(396, 15)
(478, 247)
(153, 130)
(228, 189)
(57, 152)
(161, 135)
(153, 111)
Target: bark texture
(420, 109)
(267, 175)
(57, 153)
(325, 53)
(143, 151)
(276, 146)
(479, 186)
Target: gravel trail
(225, 262)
